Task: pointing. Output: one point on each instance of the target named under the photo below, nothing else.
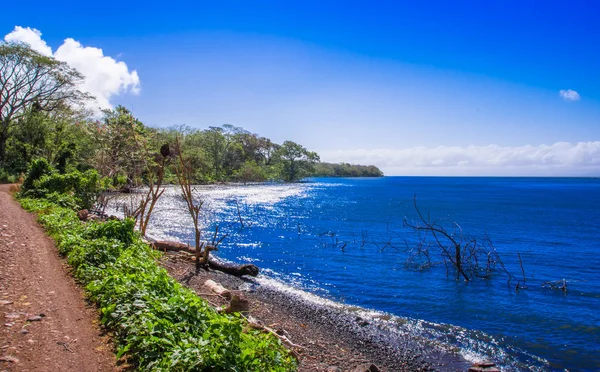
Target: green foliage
(121, 230)
(250, 172)
(158, 324)
(76, 190)
(346, 170)
(8, 177)
(38, 168)
(32, 83)
(296, 161)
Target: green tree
(223, 150)
(296, 161)
(30, 80)
(120, 141)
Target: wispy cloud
(558, 159)
(105, 77)
(569, 95)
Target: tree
(222, 152)
(29, 80)
(117, 141)
(296, 161)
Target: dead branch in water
(468, 256)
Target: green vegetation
(346, 170)
(157, 323)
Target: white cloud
(105, 77)
(31, 36)
(558, 159)
(569, 95)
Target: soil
(46, 323)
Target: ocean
(344, 240)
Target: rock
(218, 288)
(237, 304)
(83, 214)
(24, 331)
(484, 364)
(484, 367)
(5, 302)
(367, 367)
(34, 318)
(361, 322)
(8, 358)
(334, 369)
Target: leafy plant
(38, 168)
(78, 190)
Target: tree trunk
(213, 262)
(3, 139)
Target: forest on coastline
(44, 115)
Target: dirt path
(46, 324)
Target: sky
(466, 88)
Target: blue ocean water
(344, 240)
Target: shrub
(77, 190)
(37, 169)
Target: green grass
(157, 323)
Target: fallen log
(232, 268)
(163, 245)
(213, 262)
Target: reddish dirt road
(45, 323)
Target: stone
(484, 366)
(34, 318)
(8, 358)
(5, 302)
(334, 369)
(367, 367)
(238, 304)
(83, 214)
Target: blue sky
(419, 88)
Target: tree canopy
(30, 81)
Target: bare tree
(29, 79)
(184, 172)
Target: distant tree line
(346, 170)
(42, 115)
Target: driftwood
(231, 268)
(217, 288)
(213, 263)
(286, 341)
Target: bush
(77, 190)
(38, 168)
(158, 324)
(8, 177)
